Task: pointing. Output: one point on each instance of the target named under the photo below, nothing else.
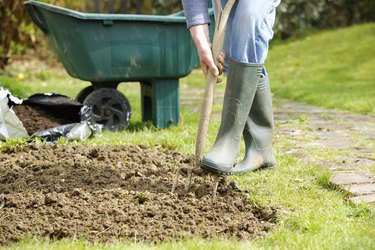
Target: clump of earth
(103, 193)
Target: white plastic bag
(10, 125)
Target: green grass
(31, 244)
(313, 215)
(26, 78)
(318, 218)
(334, 69)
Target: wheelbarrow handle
(211, 79)
(37, 17)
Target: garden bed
(104, 193)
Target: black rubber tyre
(110, 108)
(84, 93)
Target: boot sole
(214, 170)
(261, 168)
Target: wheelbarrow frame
(107, 49)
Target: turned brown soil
(102, 193)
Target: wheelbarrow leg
(160, 102)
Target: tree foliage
(296, 16)
(15, 29)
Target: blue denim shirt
(249, 27)
(196, 12)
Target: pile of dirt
(102, 193)
(35, 118)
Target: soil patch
(35, 118)
(102, 193)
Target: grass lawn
(320, 70)
(334, 69)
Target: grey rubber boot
(239, 93)
(258, 132)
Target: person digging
(247, 105)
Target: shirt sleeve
(196, 12)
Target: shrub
(296, 16)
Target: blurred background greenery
(295, 18)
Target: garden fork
(222, 15)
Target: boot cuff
(245, 64)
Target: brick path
(343, 141)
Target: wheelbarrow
(107, 49)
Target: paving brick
(348, 178)
(363, 199)
(360, 189)
(356, 162)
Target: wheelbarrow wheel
(84, 93)
(109, 107)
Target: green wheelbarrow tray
(107, 49)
